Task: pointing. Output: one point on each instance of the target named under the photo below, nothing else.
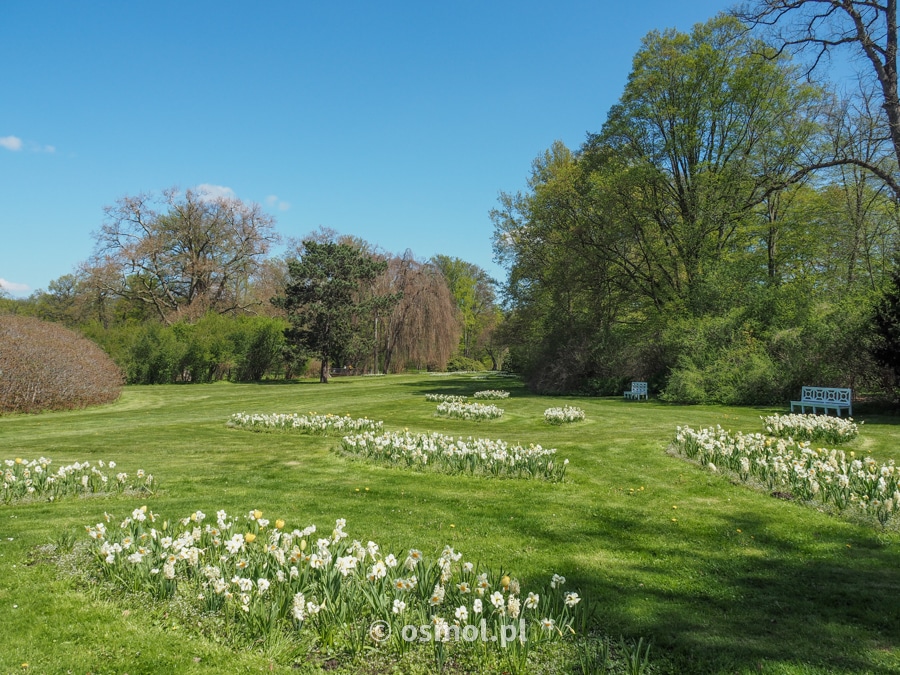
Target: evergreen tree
(322, 298)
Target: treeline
(709, 239)
(182, 288)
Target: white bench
(826, 398)
(637, 392)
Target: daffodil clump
(309, 424)
(489, 394)
(446, 454)
(469, 411)
(338, 593)
(445, 398)
(35, 479)
(810, 474)
(563, 415)
(814, 428)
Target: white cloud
(272, 201)
(13, 143)
(209, 191)
(13, 287)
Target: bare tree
(819, 28)
(182, 252)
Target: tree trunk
(323, 373)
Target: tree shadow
(752, 601)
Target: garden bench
(827, 398)
(637, 392)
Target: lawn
(721, 578)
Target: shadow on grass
(292, 383)
(756, 604)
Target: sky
(397, 122)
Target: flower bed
(309, 424)
(34, 479)
(829, 476)
(815, 428)
(477, 456)
(563, 415)
(469, 411)
(489, 394)
(341, 594)
(445, 398)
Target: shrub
(44, 366)
(461, 363)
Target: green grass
(795, 591)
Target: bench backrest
(826, 395)
(638, 387)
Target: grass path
(739, 582)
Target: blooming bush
(489, 394)
(34, 479)
(829, 476)
(310, 424)
(812, 428)
(259, 575)
(563, 415)
(469, 411)
(476, 456)
(442, 398)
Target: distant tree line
(181, 287)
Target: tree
(868, 29)
(422, 328)
(709, 125)
(181, 253)
(886, 327)
(322, 299)
(473, 291)
(656, 219)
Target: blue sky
(398, 122)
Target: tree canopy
(323, 298)
(181, 253)
(864, 30)
(678, 245)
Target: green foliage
(461, 363)
(473, 291)
(155, 356)
(258, 345)
(323, 298)
(886, 327)
(739, 376)
(766, 351)
(216, 347)
(676, 246)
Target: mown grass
(739, 582)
